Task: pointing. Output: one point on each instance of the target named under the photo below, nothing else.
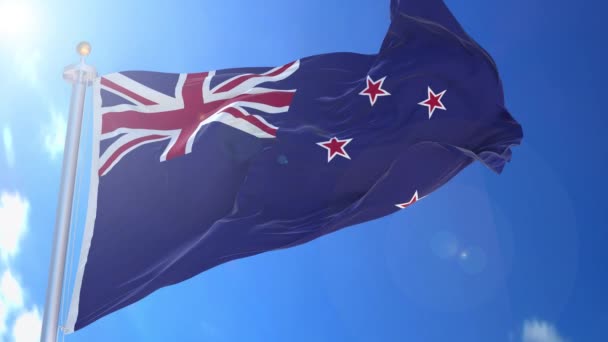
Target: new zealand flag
(194, 170)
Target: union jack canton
(152, 116)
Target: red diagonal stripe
(251, 119)
(239, 80)
(124, 148)
(274, 99)
(120, 89)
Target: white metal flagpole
(80, 75)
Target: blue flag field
(194, 170)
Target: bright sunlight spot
(17, 20)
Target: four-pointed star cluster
(336, 147)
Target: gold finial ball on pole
(83, 49)
(80, 72)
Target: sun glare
(17, 21)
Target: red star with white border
(433, 101)
(411, 201)
(374, 89)
(335, 147)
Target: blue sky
(518, 257)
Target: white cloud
(14, 212)
(11, 299)
(540, 331)
(9, 150)
(54, 134)
(10, 291)
(27, 326)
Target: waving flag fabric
(194, 170)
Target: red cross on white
(155, 116)
(374, 89)
(433, 101)
(335, 147)
(413, 200)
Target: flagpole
(80, 75)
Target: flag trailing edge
(347, 137)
